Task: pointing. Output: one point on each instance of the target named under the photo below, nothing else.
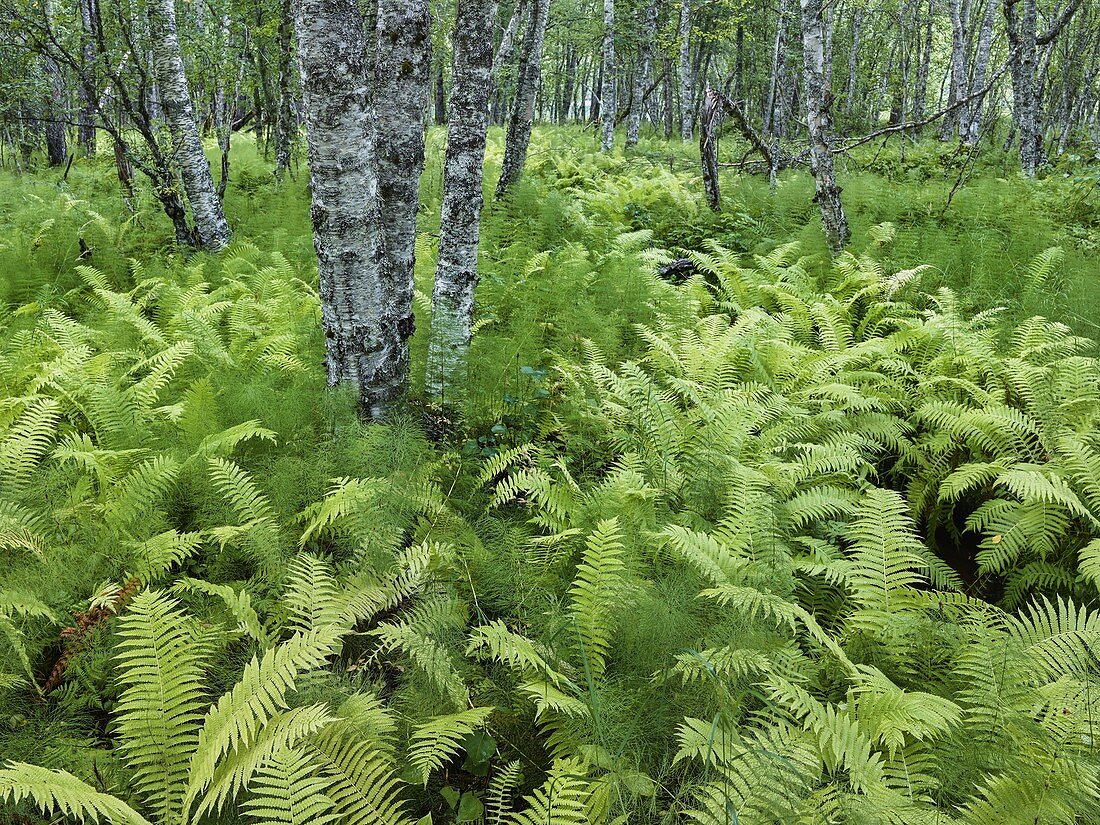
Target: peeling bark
(460, 215)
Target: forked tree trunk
(687, 87)
(607, 87)
(402, 72)
(344, 188)
(958, 66)
(827, 193)
(641, 75)
(460, 215)
(175, 97)
(522, 115)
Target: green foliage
(791, 541)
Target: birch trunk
(972, 122)
(86, 132)
(776, 87)
(56, 139)
(958, 66)
(286, 125)
(522, 115)
(503, 59)
(402, 73)
(827, 193)
(175, 99)
(853, 57)
(607, 87)
(687, 93)
(641, 76)
(460, 214)
(344, 188)
(1022, 34)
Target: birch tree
(826, 192)
(642, 73)
(607, 87)
(687, 87)
(522, 115)
(211, 227)
(456, 271)
(344, 187)
(402, 75)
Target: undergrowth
(789, 541)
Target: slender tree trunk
(402, 75)
(460, 213)
(345, 210)
(641, 75)
(920, 94)
(827, 193)
(853, 57)
(502, 60)
(1022, 33)
(286, 124)
(687, 87)
(958, 66)
(57, 150)
(206, 208)
(666, 90)
(607, 87)
(86, 131)
(774, 116)
(522, 115)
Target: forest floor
(166, 410)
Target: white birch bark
(827, 193)
(641, 76)
(687, 86)
(175, 99)
(958, 65)
(522, 115)
(344, 188)
(456, 272)
(402, 72)
(972, 117)
(607, 87)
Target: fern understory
(787, 542)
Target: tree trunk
(522, 115)
(57, 150)
(958, 66)
(345, 209)
(86, 131)
(818, 100)
(687, 93)
(460, 213)
(853, 57)
(503, 58)
(973, 115)
(210, 224)
(286, 124)
(641, 75)
(774, 116)
(608, 108)
(402, 75)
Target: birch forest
(550, 412)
